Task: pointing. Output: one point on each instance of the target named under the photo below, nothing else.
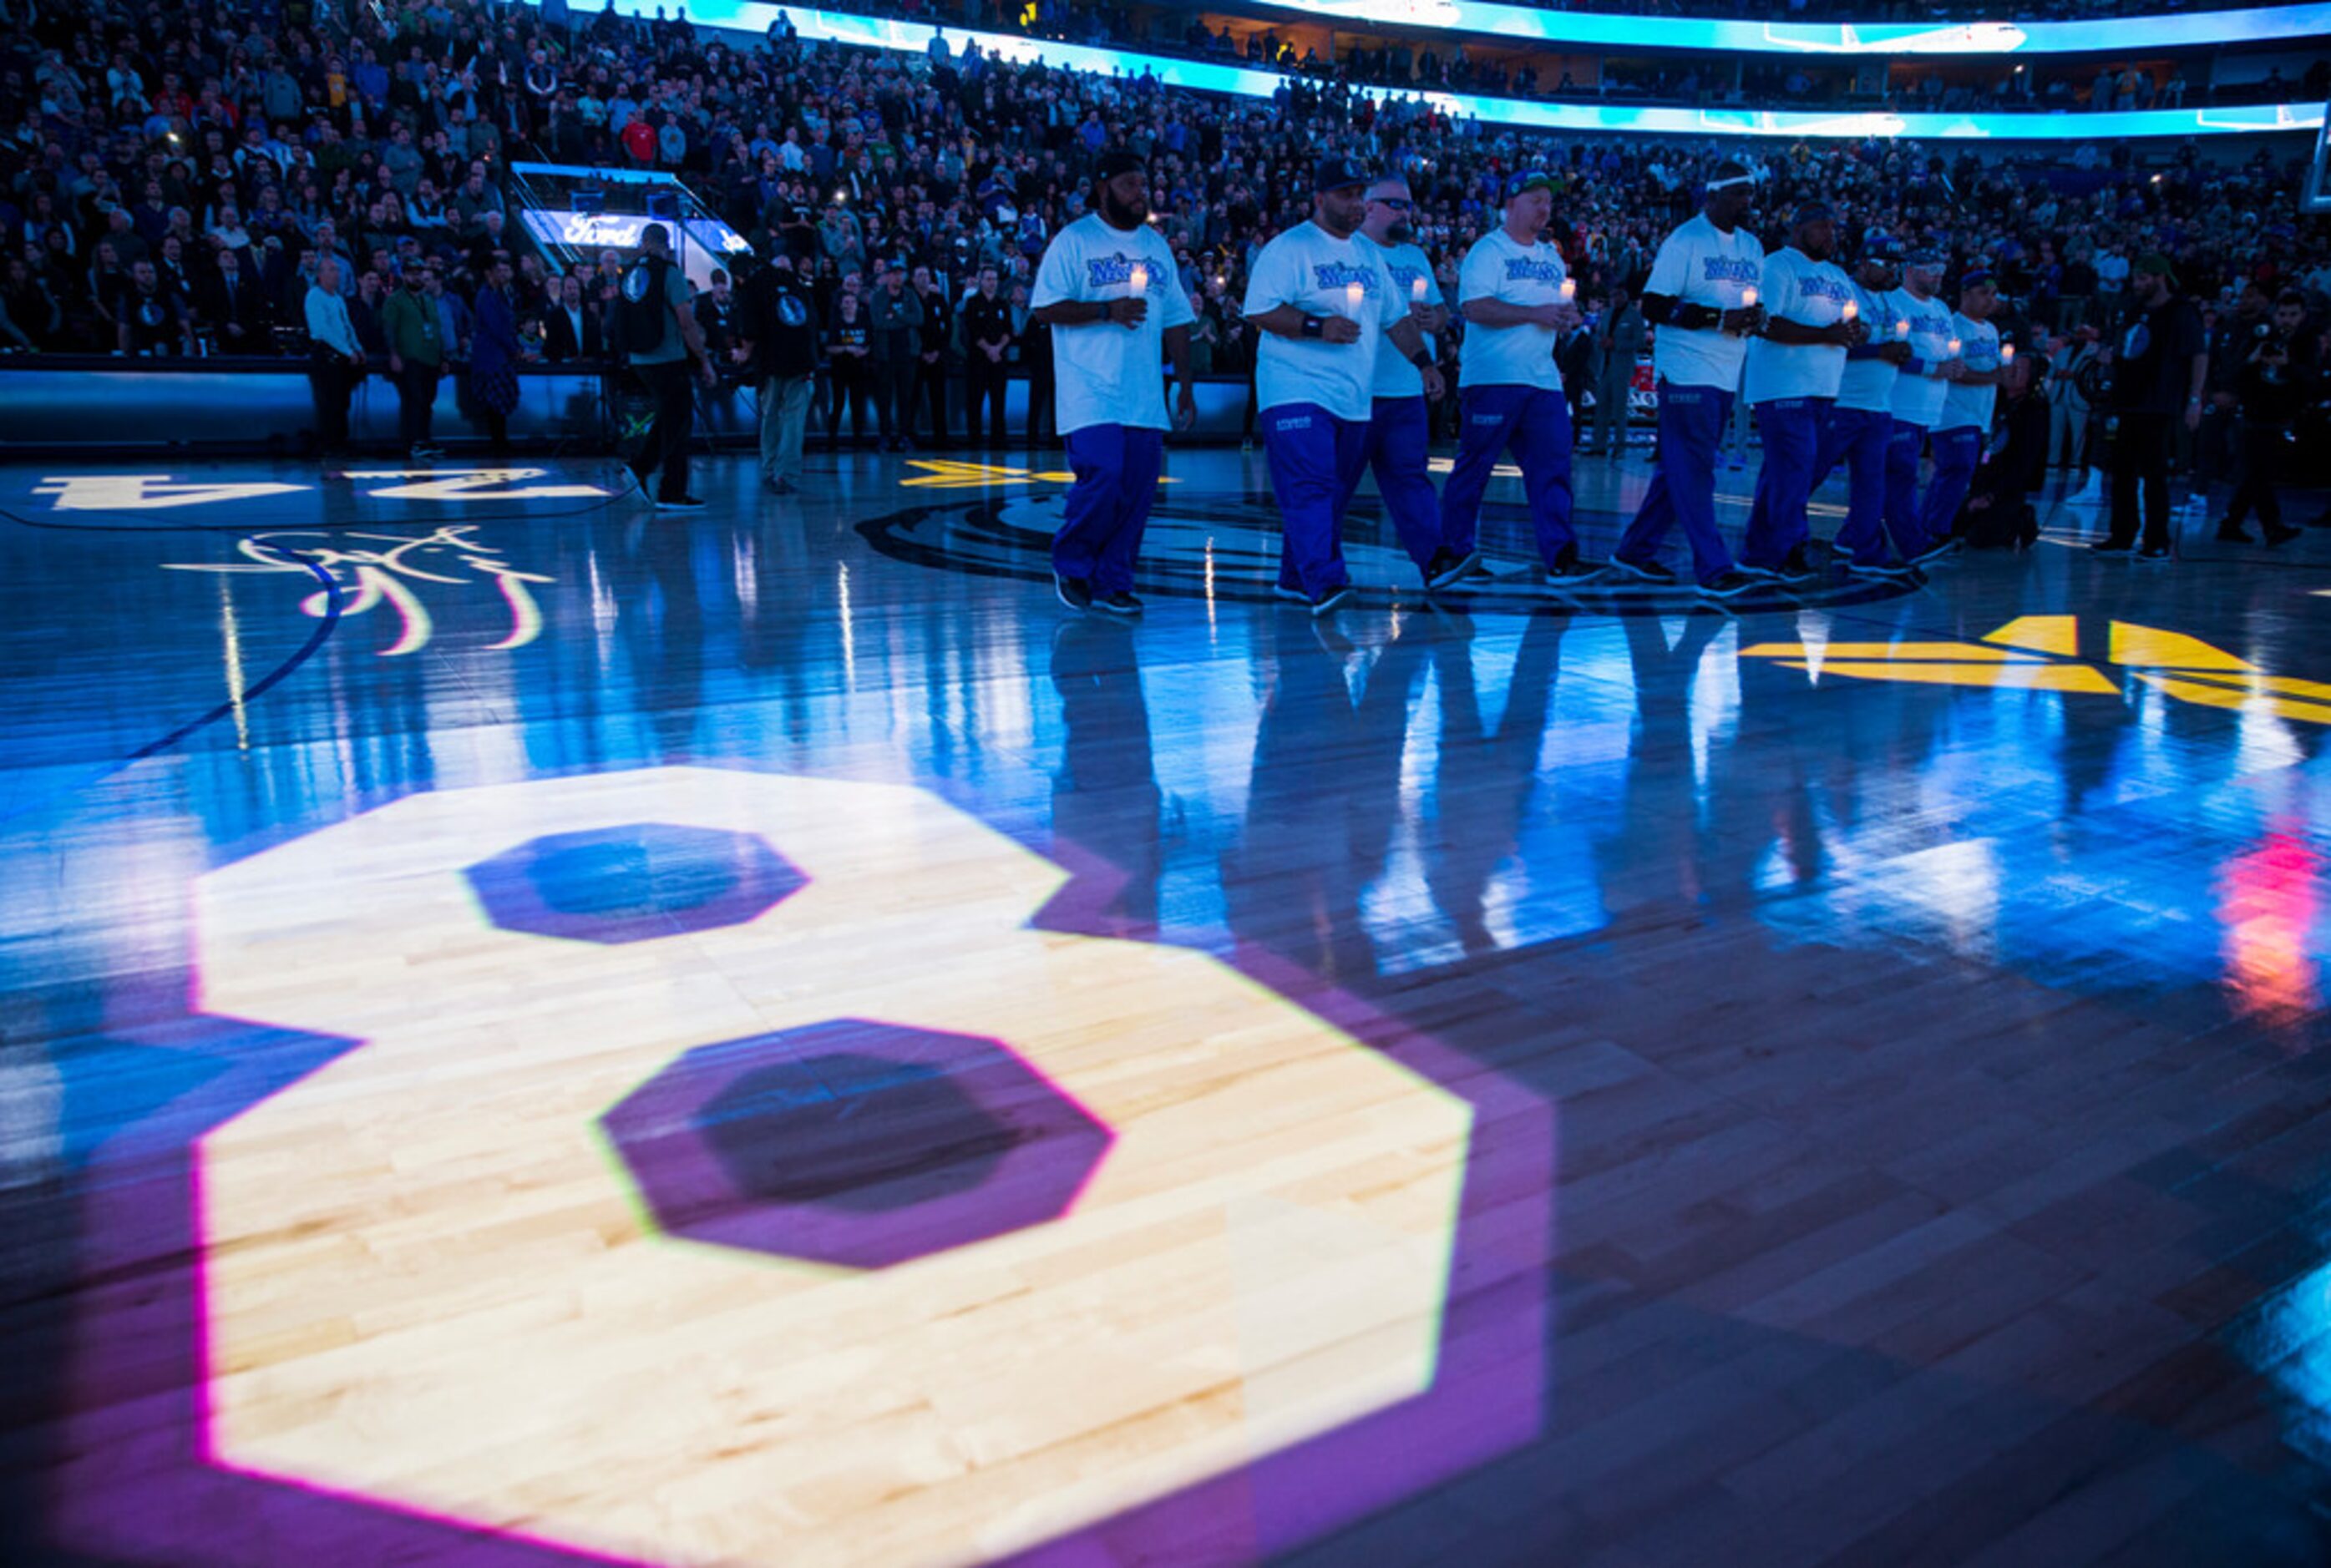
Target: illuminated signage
(1587, 30)
(755, 16)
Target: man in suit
(235, 302)
(570, 327)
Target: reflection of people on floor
(1325, 796)
(1486, 778)
(1104, 796)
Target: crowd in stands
(171, 176)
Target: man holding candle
(1699, 299)
(1794, 368)
(1399, 432)
(1094, 289)
(1860, 423)
(1322, 301)
(1923, 321)
(1967, 403)
(1516, 299)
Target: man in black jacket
(236, 304)
(777, 325)
(2270, 376)
(898, 322)
(2160, 359)
(988, 343)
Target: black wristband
(1422, 359)
(1313, 326)
(1696, 317)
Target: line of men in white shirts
(1866, 371)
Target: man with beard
(1399, 430)
(1794, 368)
(1967, 406)
(1323, 302)
(1701, 298)
(2160, 363)
(416, 358)
(1860, 423)
(1516, 299)
(1094, 289)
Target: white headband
(1734, 180)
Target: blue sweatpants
(1399, 437)
(1903, 444)
(1315, 464)
(1116, 467)
(1791, 428)
(1691, 427)
(1858, 438)
(1534, 424)
(1956, 453)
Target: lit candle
(1748, 298)
(2007, 354)
(1137, 282)
(1902, 328)
(1955, 347)
(1569, 290)
(1354, 297)
(1416, 290)
(1851, 310)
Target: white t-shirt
(1499, 267)
(1105, 374)
(1918, 393)
(1967, 406)
(1700, 264)
(1406, 266)
(1311, 269)
(1813, 294)
(1868, 383)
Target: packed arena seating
(173, 176)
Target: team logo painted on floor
(2043, 653)
(392, 569)
(1216, 546)
(732, 1171)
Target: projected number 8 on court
(427, 1282)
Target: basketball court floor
(535, 1032)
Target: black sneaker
(1939, 550)
(1731, 586)
(2281, 534)
(1286, 595)
(1073, 591)
(1643, 571)
(1887, 571)
(1794, 568)
(1120, 602)
(1332, 599)
(679, 503)
(783, 487)
(2113, 548)
(1448, 568)
(2232, 533)
(1570, 568)
(2154, 556)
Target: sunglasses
(1397, 203)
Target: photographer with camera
(2270, 382)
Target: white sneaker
(2092, 494)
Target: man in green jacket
(416, 358)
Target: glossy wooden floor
(756, 1037)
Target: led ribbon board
(755, 16)
(1589, 30)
